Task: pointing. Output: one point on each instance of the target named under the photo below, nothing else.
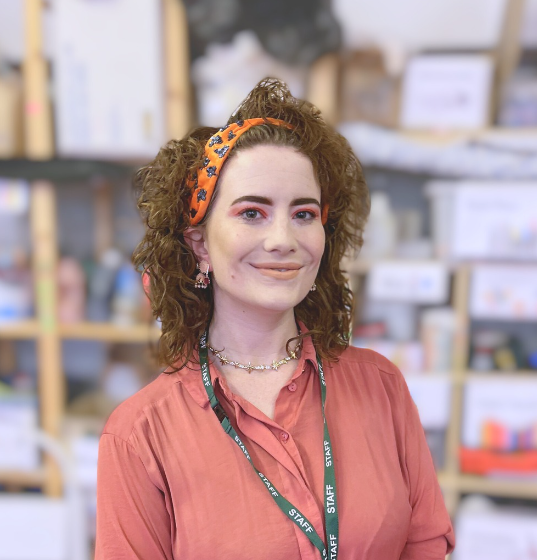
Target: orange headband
(217, 149)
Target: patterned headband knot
(203, 181)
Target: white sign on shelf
(14, 196)
(18, 418)
(415, 282)
(109, 89)
(85, 452)
(447, 91)
(504, 292)
(495, 220)
(508, 400)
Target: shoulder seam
(120, 438)
(133, 450)
(142, 411)
(378, 366)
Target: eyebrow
(269, 202)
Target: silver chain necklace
(249, 367)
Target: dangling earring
(313, 288)
(202, 279)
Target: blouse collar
(190, 375)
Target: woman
(268, 436)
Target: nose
(280, 235)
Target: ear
(195, 239)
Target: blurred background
(439, 102)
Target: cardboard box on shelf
(368, 92)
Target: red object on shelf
(483, 461)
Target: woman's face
(264, 237)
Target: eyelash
(312, 214)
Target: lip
(271, 270)
(288, 266)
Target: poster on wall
(108, 78)
(447, 92)
(504, 292)
(508, 402)
(416, 282)
(495, 220)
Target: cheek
(228, 247)
(316, 245)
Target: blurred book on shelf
(519, 100)
(499, 431)
(16, 284)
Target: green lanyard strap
(293, 513)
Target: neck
(255, 338)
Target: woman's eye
(305, 215)
(250, 214)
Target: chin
(277, 301)
(266, 297)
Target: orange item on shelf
(483, 461)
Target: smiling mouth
(279, 273)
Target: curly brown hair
(164, 203)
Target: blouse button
(292, 387)
(284, 436)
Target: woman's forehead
(268, 170)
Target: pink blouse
(173, 485)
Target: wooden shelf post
(176, 69)
(460, 361)
(38, 137)
(51, 385)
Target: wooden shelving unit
(108, 332)
(497, 487)
(42, 169)
(454, 483)
(17, 330)
(30, 479)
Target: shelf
(445, 137)
(109, 332)
(498, 487)
(27, 479)
(64, 169)
(516, 375)
(509, 488)
(29, 329)
(16, 330)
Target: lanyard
(294, 514)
